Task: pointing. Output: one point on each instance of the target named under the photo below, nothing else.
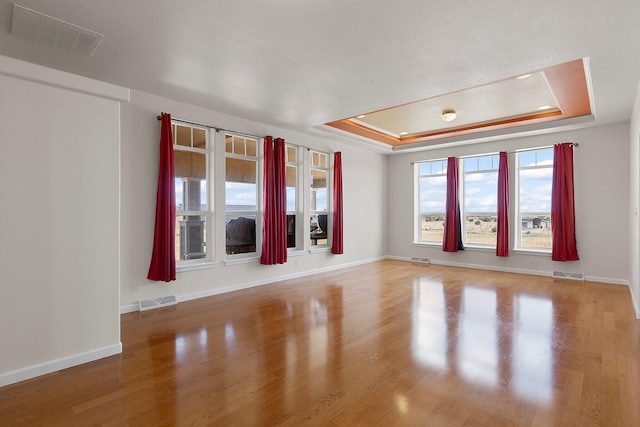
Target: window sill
(427, 244)
(545, 253)
(317, 250)
(203, 265)
(242, 260)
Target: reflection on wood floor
(387, 343)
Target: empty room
(343, 213)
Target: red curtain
(163, 257)
(274, 228)
(452, 241)
(563, 228)
(502, 244)
(337, 243)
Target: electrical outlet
(137, 287)
(530, 260)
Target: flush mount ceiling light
(449, 115)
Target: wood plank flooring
(388, 343)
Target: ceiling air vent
(28, 24)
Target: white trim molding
(217, 291)
(50, 366)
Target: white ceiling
(299, 64)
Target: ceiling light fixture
(362, 116)
(524, 76)
(544, 107)
(449, 115)
(404, 133)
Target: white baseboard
(634, 301)
(607, 280)
(247, 285)
(33, 371)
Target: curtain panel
(274, 227)
(163, 256)
(337, 243)
(563, 229)
(452, 239)
(502, 244)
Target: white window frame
(328, 169)
(519, 214)
(418, 214)
(208, 259)
(257, 213)
(462, 190)
(296, 163)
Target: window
(535, 170)
(291, 159)
(319, 198)
(191, 160)
(241, 194)
(480, 195)
(432, 200)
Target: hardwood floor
(387, 343)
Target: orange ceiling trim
(567, 82)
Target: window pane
(199, 138)
(238, 145)
(240, 184)
(291, 154)
(240, 234)
(190, 237)
(228, 148)
(432, 199)
(182, 136)
(323, 161)
(251, 147)
(291, 231)
(197, 195)
(487, 163)
(318, 190)
(180, 193)
(481, 229)
(535, 231)
(291, 188)
(319, 229)
(535, 170)
(432, 228)
(190, 165)
(480, 203)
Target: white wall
(601, 197)
(634, 200)
(59, 188)
(364, 186)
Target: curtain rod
(217, 129)
(573, 144)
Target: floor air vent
(420, 260)
(563, 275)
(149, 304)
